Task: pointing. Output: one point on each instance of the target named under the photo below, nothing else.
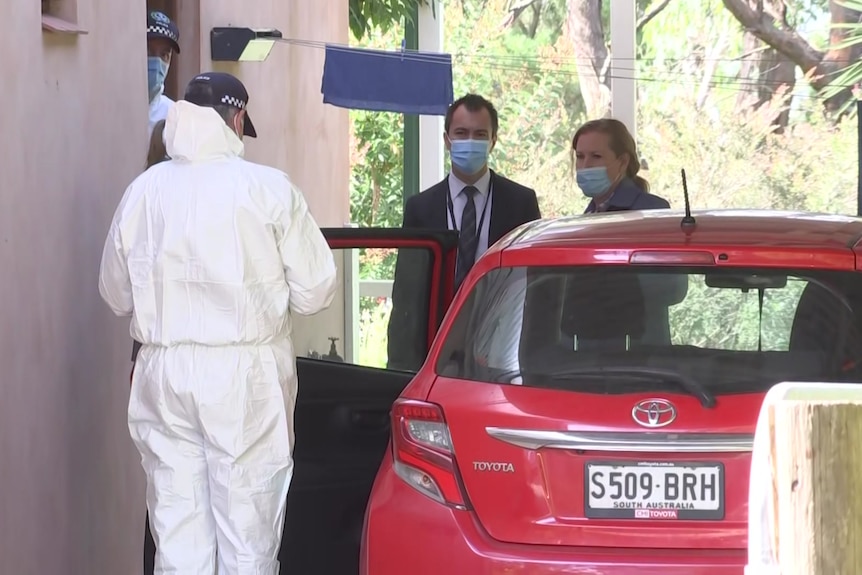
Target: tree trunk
(769, 26)
(766, 73)
(586, 33)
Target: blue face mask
(469, 156)
(157, 71)
(593, 181)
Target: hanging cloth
(406, 81)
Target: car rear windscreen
(624, 329)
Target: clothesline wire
(674, 77)
(679, 79)
(440, 57)
(615, 72)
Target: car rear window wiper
(706, 398)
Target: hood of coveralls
(195, 133)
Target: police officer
(163, 38)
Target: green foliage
(676, 45)
(383, 15)
(735, 161)
(803, 12)
(374, 264)
(373, 322)
(731, 319)
(375, 198)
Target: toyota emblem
(654, 413)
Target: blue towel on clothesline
(406, 81)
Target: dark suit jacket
(629, 196)
(511, 205)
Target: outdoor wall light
(230, 44)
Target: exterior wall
(74, 126)
(74, 136)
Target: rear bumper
(405, 532)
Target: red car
(587, 406)
(589, 403)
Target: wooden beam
(817, 461)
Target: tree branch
(515, 12)
(584, 31)
(652, 13)
(788, 42)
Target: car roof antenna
(688, 221)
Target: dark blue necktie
(468, 240)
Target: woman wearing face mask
(606, 161)
(606, 164)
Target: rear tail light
(422, 452)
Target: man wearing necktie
(473, 200)
(468, 240)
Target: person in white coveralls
(210, 254)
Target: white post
(622, 69)
(352, 289)
(431, 150)
(352, 333)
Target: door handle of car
(370, 419)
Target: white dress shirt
(459, 202)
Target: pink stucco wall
(72, 136)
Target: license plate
(654, 490)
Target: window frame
(61, 17)
(442, 245)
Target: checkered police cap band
(231, 101)
(163, 31)
(159, 25)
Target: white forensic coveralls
(209, 253)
